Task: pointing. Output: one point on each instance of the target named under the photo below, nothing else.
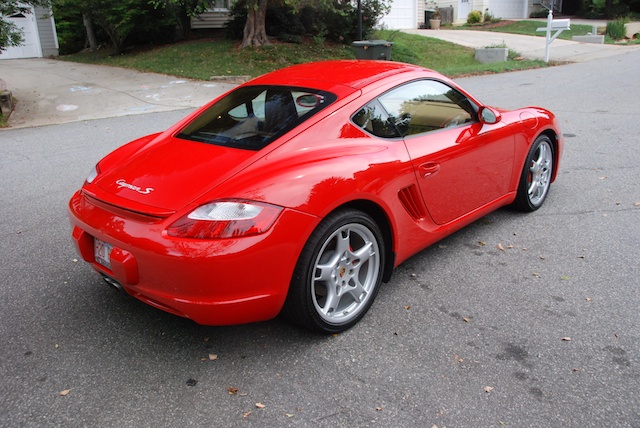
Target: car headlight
(226, 219)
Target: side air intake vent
(412, 202)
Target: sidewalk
(530, 47)
(52, 91)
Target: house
(215, 17)
(39, 33)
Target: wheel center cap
(342, 271)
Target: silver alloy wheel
(345, 273)
(540, 170)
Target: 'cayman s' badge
(122, 183)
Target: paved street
(541, 333)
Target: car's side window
(426, 105)
(374, 119)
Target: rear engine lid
(164, 177)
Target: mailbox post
(557, 25)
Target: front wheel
(338, 273)
(536, 176)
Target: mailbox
(557, 24)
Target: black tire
(338, 273)
(535, 179)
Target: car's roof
(355, 74)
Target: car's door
(461, 164)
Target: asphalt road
(465, 334)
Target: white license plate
(102, 252)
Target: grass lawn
(218, 57)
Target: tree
(255, 33)
(118, 21)
(10, 35)
(181, 11)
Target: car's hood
(166, 175)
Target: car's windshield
(251, 117)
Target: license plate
(102, 252)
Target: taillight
(226, 219)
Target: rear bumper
(212, 282)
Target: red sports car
(301, 190)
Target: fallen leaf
(232, 391)
(636, 204)
(588, 299)
(213, 357)
(206, 339)
(566, 339)
(413, 275)
(289, 415)
(482, 244)
(509, 246)
(465, 319)
(192, 382)
(407, 307)
(378, 408)
(565, 278)
(65, 392)
(500, 247)
(541, 257)
(488, 389)
(260, 406)
(575, 370)
(536, 274)
(246, 414)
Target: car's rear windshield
(251, 117)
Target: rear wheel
(536, 176)
(338, 273)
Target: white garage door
(31, 46)
(402, 15)
(508, 9)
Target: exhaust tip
(113, 283)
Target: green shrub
(474, 17)
(616, 30)
(336, 21)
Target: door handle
(428, 168)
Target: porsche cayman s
(299, 192)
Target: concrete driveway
(53, 92)
(529, 47)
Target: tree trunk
(91, 35)
(255, 33)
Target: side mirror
(489, 116)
